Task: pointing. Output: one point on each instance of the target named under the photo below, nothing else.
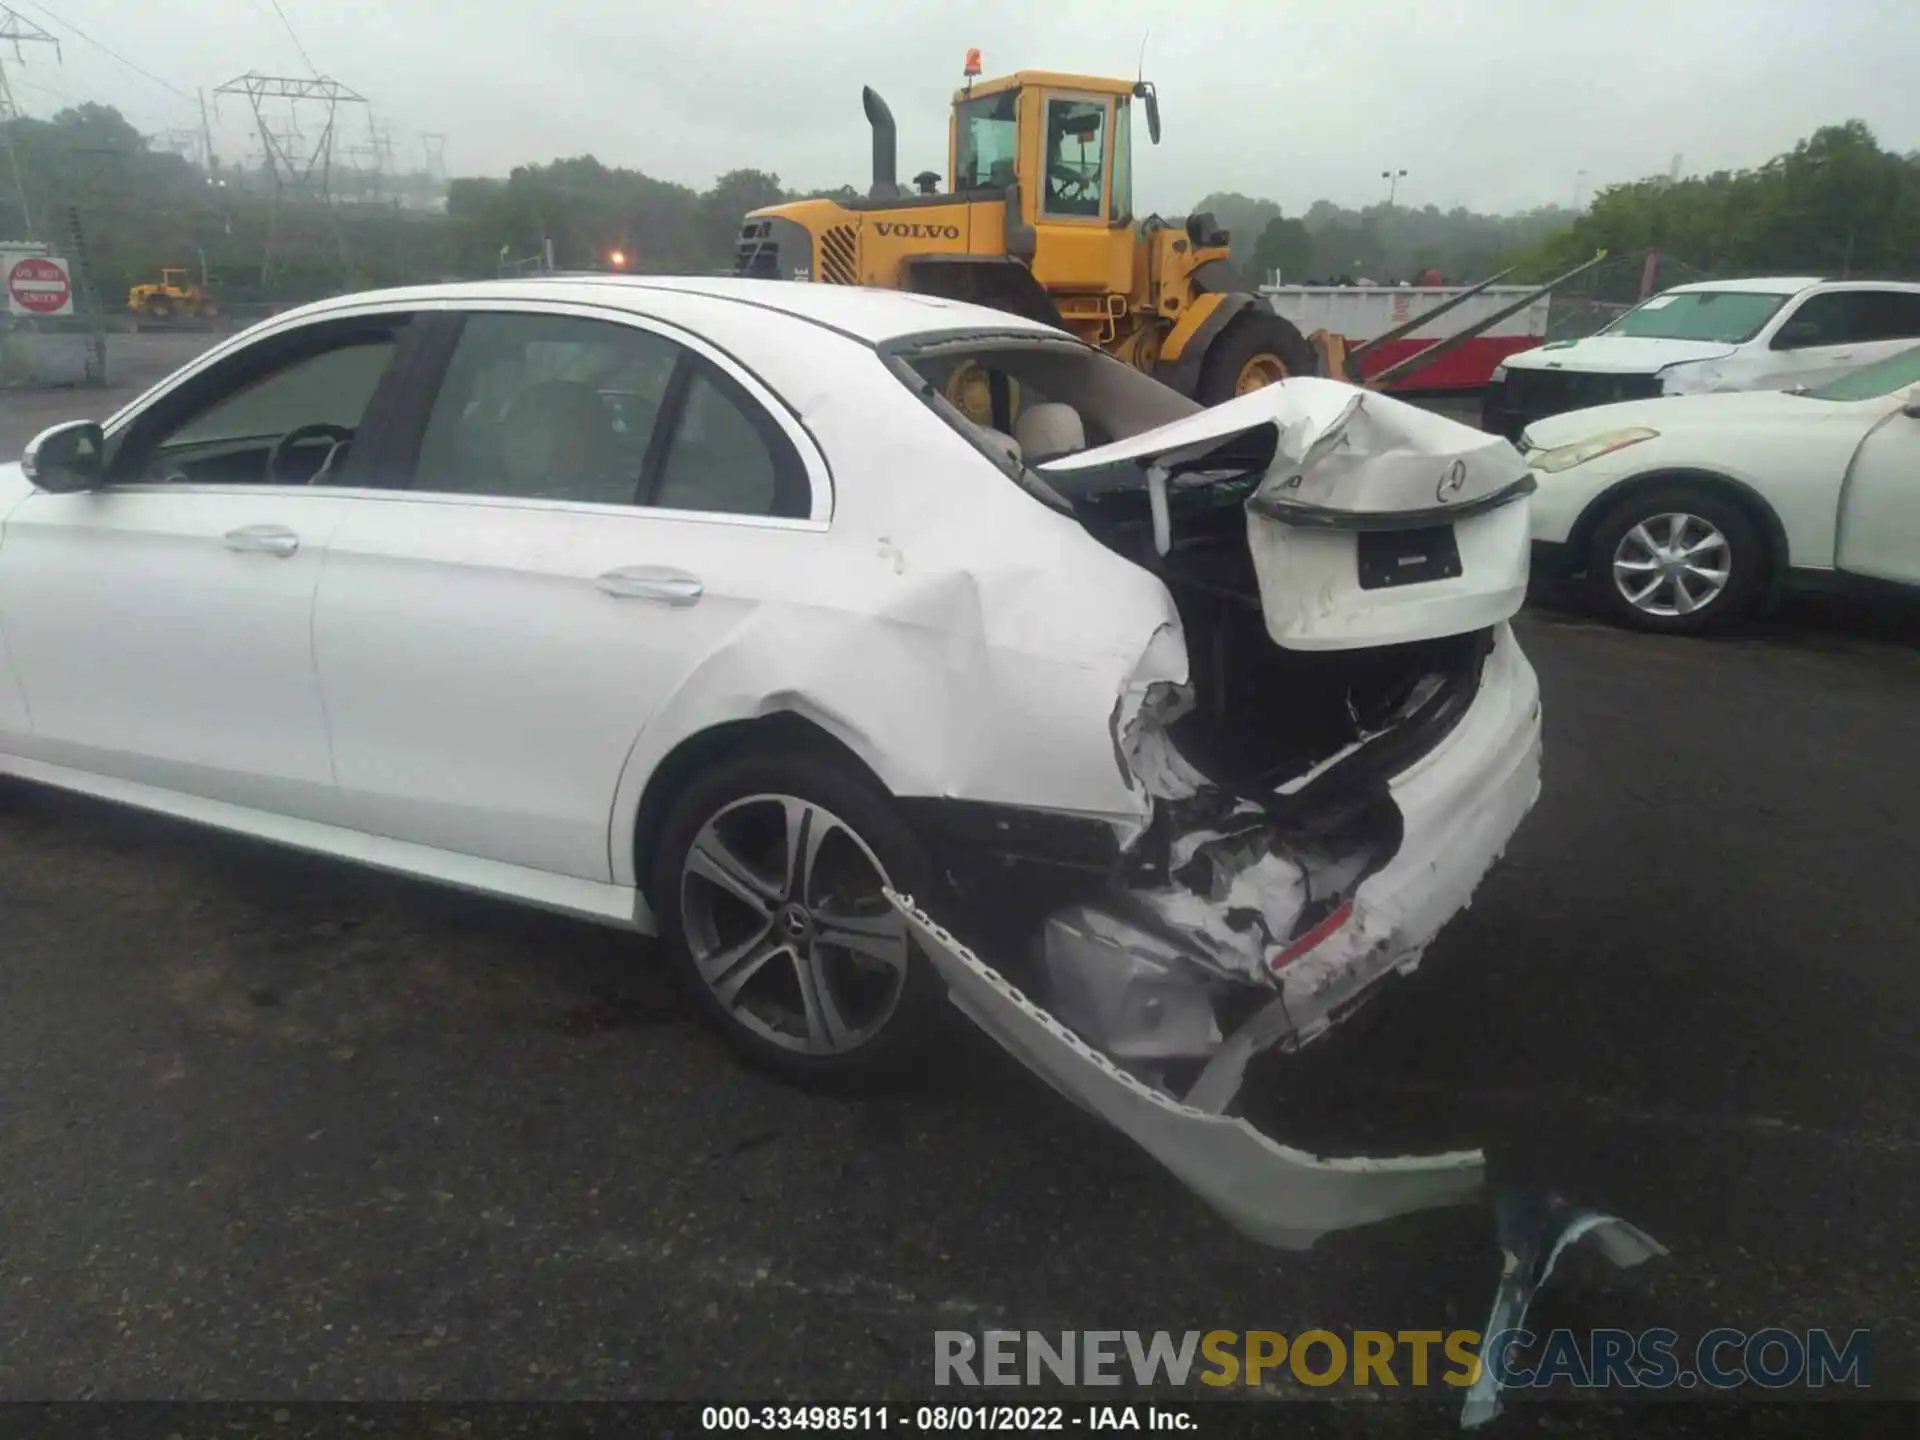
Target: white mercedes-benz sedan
(701, 607)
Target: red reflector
(1293, 950)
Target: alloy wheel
(1671, 565)
(784, 918)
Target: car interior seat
(1048, 431)
(557, 440)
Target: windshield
(983, 142)
(1870, 382)
(1729, 317)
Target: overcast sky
(1493, 104)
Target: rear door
(1372, 523)
(596, 503)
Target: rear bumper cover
(1461, 804)
(1275, 1194)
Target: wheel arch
(1777, 556)
(779, 732)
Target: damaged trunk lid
(1350, 518)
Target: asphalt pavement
(275, 1128)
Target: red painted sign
(40, 286)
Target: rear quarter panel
(963, 639)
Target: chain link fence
(1608, 291)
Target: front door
(1080, 193)
(1879, 534)
(1832, 334)
(160, 627)
(595, 507)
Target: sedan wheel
(787, 925)
(1671, 565)
(768, 881)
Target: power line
(305, 59)
(107, 50)
(57, 94)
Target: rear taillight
(1294, 949)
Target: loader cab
(1060, 147)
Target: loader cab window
(1122, 163)
(1076, 157)
(985, 137)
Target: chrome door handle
(263, 540)
(651, 582)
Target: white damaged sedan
(698, 607)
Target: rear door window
(546, 407)
(727, 456)
(1886, 314)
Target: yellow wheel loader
(1038, 218)
(174, 297)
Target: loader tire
(159, 307)
(1259, 348)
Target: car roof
(1754, 285)
(875, 316)
(1788, 285)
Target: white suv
(1762, 334)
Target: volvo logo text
(918, 232)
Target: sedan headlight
(1565, 457)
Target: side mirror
(1912, 408)
(66, 459)
(1146, 92)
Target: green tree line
(1837, 203)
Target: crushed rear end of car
(1333, 747)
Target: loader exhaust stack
(885, 185)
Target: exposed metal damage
(1275, 1194)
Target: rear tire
(1677, 559)
(160, 308)
(764, 971)
(1257, 348)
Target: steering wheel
(1075, 180)
(321, 429)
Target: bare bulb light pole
(1393, 179)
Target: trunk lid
(1369, 521)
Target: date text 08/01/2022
(881, 1419)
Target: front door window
(1076, 157)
